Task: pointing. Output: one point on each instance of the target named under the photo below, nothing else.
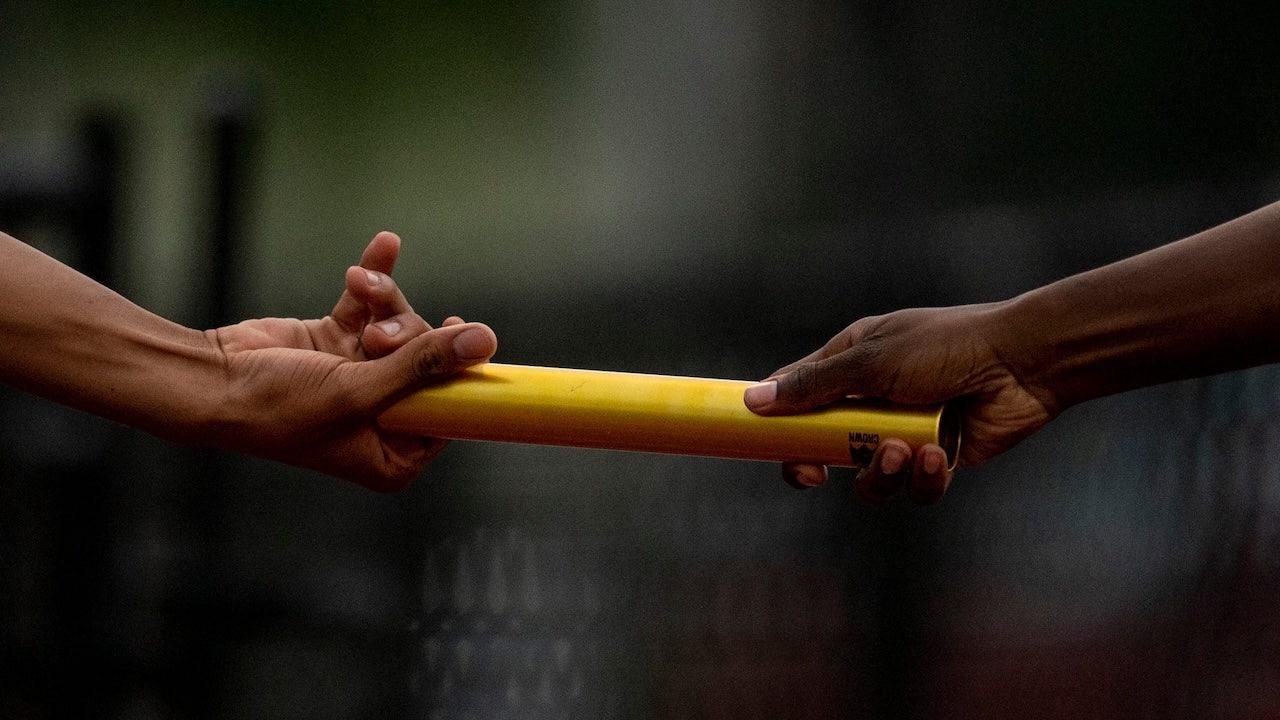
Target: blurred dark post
(228, 121)
(232, 123)
(55, 662)
(95, 219)
(86, 675)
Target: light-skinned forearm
(77, 342)
(303, 392)
(1207, 304)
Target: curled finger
(385, 336)
(889, 470)
(803, 476)
(378, 259)
(931, 476)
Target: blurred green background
(701, 188)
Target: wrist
(185, 387)
(1072, 341)
(211, 411)
(1017, 331)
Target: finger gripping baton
(658, 413)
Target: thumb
(430, 357)
(818, 381)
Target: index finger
(821, 379)
(379, 256)
(381, 253)
(834, 346)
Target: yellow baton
(658, 413)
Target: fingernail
(932, 462)
(374, 278)
(761, 394)
(472, 344)
(892, 460)
(390, 327)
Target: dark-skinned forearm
(1204, 305)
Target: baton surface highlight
(657, 413)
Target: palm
(941, 361)
(325, 335)
(997, 419)
(301, 375)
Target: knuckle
(414, 323)
(864, 357)
(804, 380)
(433, 360)
(865, 363)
